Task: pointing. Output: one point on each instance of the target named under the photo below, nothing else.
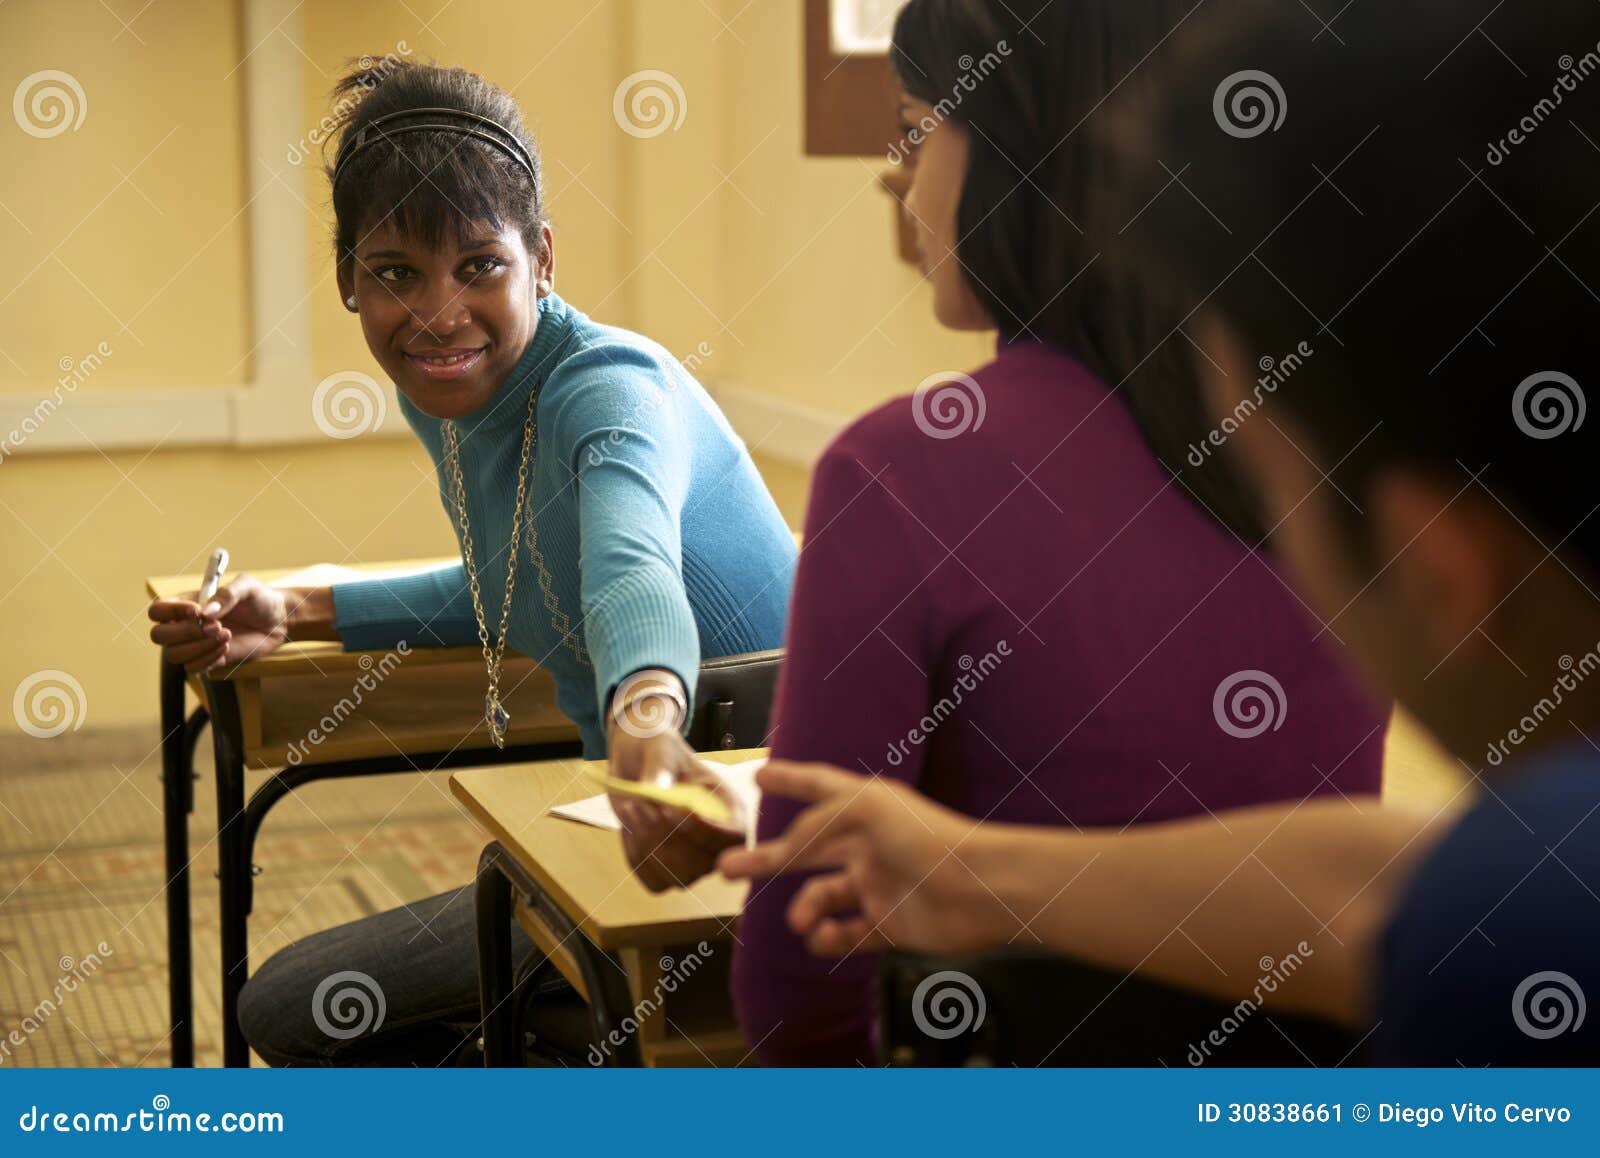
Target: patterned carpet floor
(81, 867)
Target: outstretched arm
(1198, 903)
(428, 609)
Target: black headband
(370, 133)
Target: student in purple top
(1433, 469)
(1016, 592)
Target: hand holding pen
(222, 624)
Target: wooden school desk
(424, 714)
(616, 942)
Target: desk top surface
(316, 657)
(323, 657)
(583, 867)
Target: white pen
(213, 579)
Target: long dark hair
(1027, 78)
(431, 183)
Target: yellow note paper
(693, 798)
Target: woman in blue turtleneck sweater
(611, 524)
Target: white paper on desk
(739, 779)
(595, 810)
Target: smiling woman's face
(447, 324)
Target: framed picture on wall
(849, 87)
(850, 93)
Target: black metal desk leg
(233, 869)
(177, 798)
(492, 901)
(499, 877)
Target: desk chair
(733, 701)
(1040, 1009)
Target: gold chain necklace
(495, 715)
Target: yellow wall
(134, 229)
(133, 219)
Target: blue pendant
(496, 717)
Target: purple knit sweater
(1032, 622)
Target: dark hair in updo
(434, 182)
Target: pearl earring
(350, 301)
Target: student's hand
(245, 620)
(907, 871)
(666, 847)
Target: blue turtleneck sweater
(659, 540)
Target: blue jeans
(396, 989)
